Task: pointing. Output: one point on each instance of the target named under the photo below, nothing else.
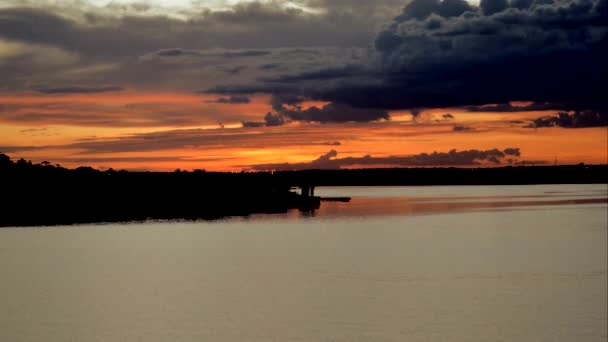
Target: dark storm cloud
(445, 54)
(578, 119)
(452, 158)
(490, 7)
(544, 53)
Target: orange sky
(165, 131)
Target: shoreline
(45, 195)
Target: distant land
(45, 194)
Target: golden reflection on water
(413, 200)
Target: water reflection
(452, 264)
(399, 206)
(382, 201)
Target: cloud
(334, 112)
(128, 109)
(202, 54)
(112, 32)
(348, 53)
(269, 66)
(422, 9)
(490, 7)
(197, 139)
(33, 130)
(175, 53)
(317, 75)
(577, 119)
(274, 119)
(288, 108)
(112, 160)
(459, 128)
(451, 158)
(76, 89)
(509, 108)
(280, 101)
(234, 99)
(17, 149)
(253, 124)
(437, 54)
(156, 48)
(549, 52)
(270, 120)
(516, 152)
(235, 69)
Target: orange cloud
(165, 131)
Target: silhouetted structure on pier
(307, 191)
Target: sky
(285, 85)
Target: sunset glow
(238, 85)
(207, 135)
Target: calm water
(513, 263)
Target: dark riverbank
(38, 195)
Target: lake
(468, 263)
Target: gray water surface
(508, 263)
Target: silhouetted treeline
(510, 175)
(37, 194)
(43, 194)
